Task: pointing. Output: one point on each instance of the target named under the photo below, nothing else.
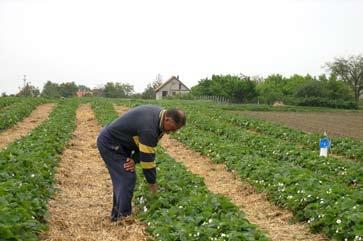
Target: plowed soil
(336, 123)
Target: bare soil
(336, 123)
(81, 208)
(23, 127)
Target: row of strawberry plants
(328, 206)
(350, 173)
(17, 111)
(27, 174)
(5, 101)
(313, 196)
(183, 209)
(344, 146)
(342, 219)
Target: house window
(164, 93)
(173, 93)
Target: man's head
(174, 119)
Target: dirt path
(23, 127)
(273, 220)
(80, 210)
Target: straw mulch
(81, 208)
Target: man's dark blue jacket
(137, 132)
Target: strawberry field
(324, 193)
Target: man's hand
(153, 188)
(129, 165)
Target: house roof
(169, 80)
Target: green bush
(325, 102)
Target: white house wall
(172, 86)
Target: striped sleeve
(147, 147)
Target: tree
(295, 82)
(84, 88)
(149, 92)
(236, 88)
(50, 90)
(117, 90)
(350, 70)
(28, 91)
(312, 89)
(271, 89)
(98, 91)
(68, 89)
(338, 89)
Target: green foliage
(68, 89)
(104, 110)
(327, 193)
(326, 102)
(306, 91)
(50, 90)
(149, 92)
(312, 89)
(350, 70)
(117, 90)
(28, 91)
(339, 90)
(272, 89)
(234, 88)
(185, 210)
(53, 90)
(295, 82)
(18, 110)
(6, 101)
(27, 174)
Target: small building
(84, 91)
(171, 87)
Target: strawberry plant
(17, 111)
(27, 174)
(184, 209)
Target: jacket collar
(161, 118)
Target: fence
(219, 99)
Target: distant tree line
(341, 89)
(70, 89)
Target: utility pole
(24, 79)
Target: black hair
(177, 115)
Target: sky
(92, 42)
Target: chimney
(177, 77)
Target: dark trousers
(123, 182)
